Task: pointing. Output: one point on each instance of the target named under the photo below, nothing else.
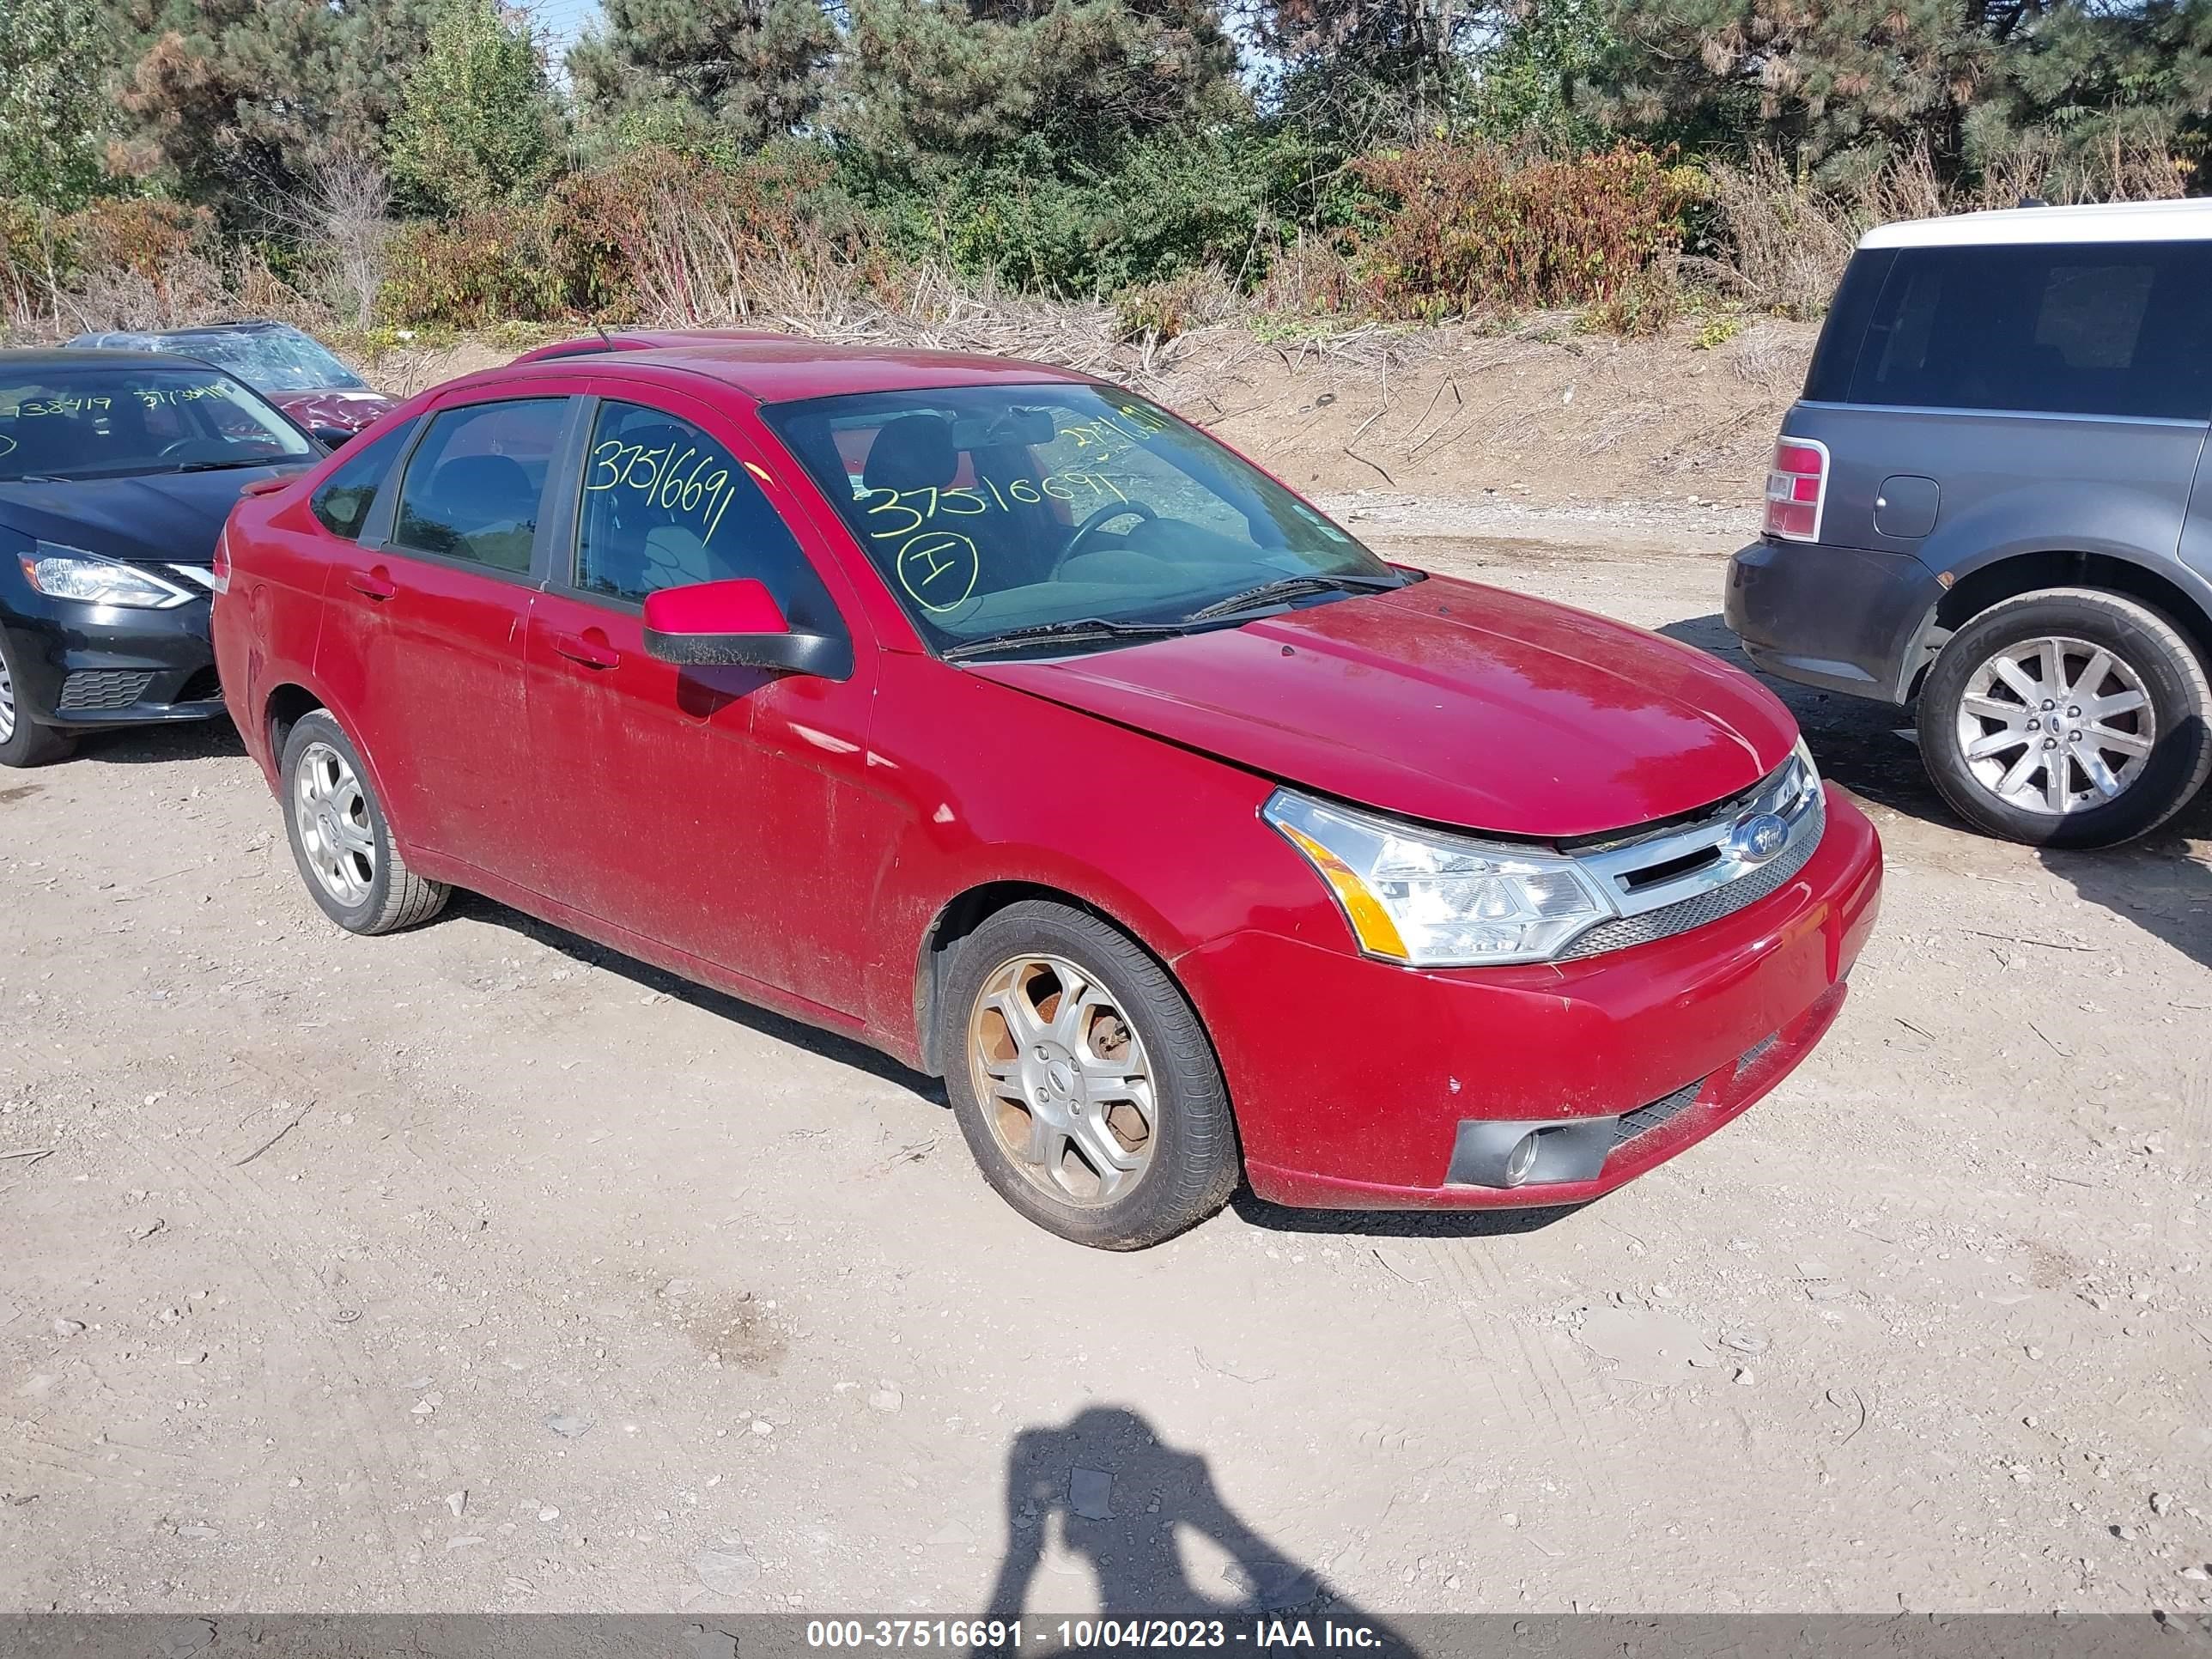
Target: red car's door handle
(375, 584)
(590, 649)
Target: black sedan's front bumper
(79, 665)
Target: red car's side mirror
(737, 623)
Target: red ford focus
(1000, 720)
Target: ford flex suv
(1993, 500)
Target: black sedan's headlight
(70, 572)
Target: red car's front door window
(680, 804)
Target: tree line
(1089, 145)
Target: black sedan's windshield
(1027, 514)
(106, 422)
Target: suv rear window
(2064, 329)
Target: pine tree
(1840, 82)
(236, 102)
(743, 71)
(2101, 98)
(1080, 81)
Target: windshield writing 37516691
(939, 565)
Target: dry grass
(1789, 238)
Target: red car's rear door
(424, 622)
(711, 809)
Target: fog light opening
(1521, 1162)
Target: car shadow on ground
(587, 953)
(1103, 1490)
(2154, 882)
(1397, 1223)
(156, 745)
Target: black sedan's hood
(168, 518)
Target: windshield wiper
(1292, 587)
(221, 467)
(1081, 628)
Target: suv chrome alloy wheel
(2055, 725)
(334, 827)
(1063, 1078)
(7, 703)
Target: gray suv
(1993, 499)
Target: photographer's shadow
(1118, 1498)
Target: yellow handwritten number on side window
(700, 494)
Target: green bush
(470, 272)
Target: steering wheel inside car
(1105, 515)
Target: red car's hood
(350, 409)
(1446, 701)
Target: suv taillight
(219, 578)
(1796, 489)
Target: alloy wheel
(2056, 726)
(332, 810)
(1064, 1079)
(7, 703)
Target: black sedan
(117, 471)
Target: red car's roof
(777, 368)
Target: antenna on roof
(601, 329)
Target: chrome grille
(101, 689)
(1713, 904)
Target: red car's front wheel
(1084, 1083)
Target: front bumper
(1842, 619)
(82, 665)
(1352, 1078)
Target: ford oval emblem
(1757, 837)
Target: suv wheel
(339, 838)
(1082, 1080)
(2067, 718)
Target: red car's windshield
(993, 509)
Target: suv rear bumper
(1842, 619)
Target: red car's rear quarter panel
(266, 628)
(1359, 1071)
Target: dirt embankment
(1542, 431)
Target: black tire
(2156, 652)
(28, 742)
(1191, 1163)
(392, 897)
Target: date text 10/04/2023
(1016, 1635)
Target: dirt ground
(478, 1268)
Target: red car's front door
(705, 809)
(422, 642)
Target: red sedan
(999, 718)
